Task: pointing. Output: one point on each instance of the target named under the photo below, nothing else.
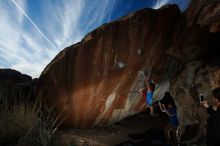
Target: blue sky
(33, 32)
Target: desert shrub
(24, 124)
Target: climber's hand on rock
(141, 90)
(205, 104)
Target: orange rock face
(95, 81)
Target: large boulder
(95, 81)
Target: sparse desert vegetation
(24, 124)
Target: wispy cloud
(10, 31)
(23, 49)
(23, 44)
(98, 11)
(111, 10)
(183, 4)
(160, 3)
(25, 14)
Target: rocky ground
(130, 130)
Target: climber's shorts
(149, 98)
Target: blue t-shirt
(173, 119)
(149, 98)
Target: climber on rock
(213, 121)
(148, 94)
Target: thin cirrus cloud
(21, 49)
(181, 3)
(33, 32)
(34, 25)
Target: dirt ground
(111, 135)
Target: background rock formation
(15, 87)
(205, 13)
(195, 79)
(94, 82)
(199, 75)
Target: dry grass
(24, 124)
